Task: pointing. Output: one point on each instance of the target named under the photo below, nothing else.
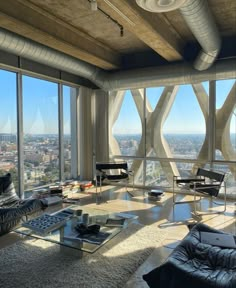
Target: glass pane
(233, 130)
(40, 126)
(185, 146)
(230, 177)
(185, 169)
(155, 175)
(153, 95)
(127, 126)
(225, 120)
(67, 91)
(8, 126)
(223, 88)
(184, 130)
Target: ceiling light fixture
(160, 5)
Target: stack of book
(40, 193)
(155, 194)
(56, 190)
(84, 185)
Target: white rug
(37, 263)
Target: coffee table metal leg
(69, 250)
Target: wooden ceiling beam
(152, 28)
(30, 21)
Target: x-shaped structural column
(115, 102)
(154, 139)
(222, 123)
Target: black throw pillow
(8, 194)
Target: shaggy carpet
(37, 263)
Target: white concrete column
(86, 132)
(222, 127)
(223, 119)
(101, 127)
(75, 145)
(154, 125)
(115, 102)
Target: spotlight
(94, 5)
(121, 31)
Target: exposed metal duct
(200, 21)
(29, 49)
(176, 74)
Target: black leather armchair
(196, 265)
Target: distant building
(6, 166)
(33, 157)
(8, 138)
(67, 154)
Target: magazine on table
(115, 222)
(97, 239)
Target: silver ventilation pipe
(176, 74)
(29, 49)
(199, 19)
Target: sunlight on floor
(40, 243)
(135, 239)
(122, 205)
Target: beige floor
(160, 214)
(164, 215)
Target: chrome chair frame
(122, 173)
(201, 188)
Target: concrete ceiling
(70, 26)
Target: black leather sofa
(13, 209)
(193, 264)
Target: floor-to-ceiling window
(67, 94)
(175, 134)
(8, 125)
(184, 128)
(34, 102)
(126, 122)
(225, 136)
(40, 128)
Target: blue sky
(40, 108)
(185, 116)
(40, 105)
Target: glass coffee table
(66, 234)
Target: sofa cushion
(10, 217)
(8, 196)
(195, 264)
